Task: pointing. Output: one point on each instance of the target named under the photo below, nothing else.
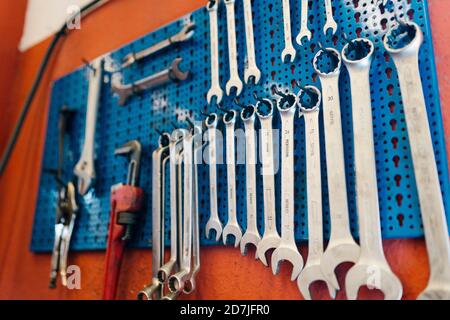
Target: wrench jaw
(357, 54)
(288, 54)
(252, 75)
(232, 229)
(85, 172)
(400, 47)
(267, 243)
(250, 237)
(214, 92)
(176, 74)
(310, 274)
(375, 275)
(178, 280)
(330, 24)
(235, 83)
(304, 33)
(214, 225)
(287, 253)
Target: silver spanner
(341, 247)
(304, 30)
(215, 90)
(289, 49)
(271, 238)
(357, 56)
(252, 72)
(330, 22)
(85, 169)
(309, 99)
(425, 171)
(287, 249)
(251, 235)
(234, 81)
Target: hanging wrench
(251, 235)
(232, 227)
(235, 81)
(289, 49)
(304, 30)
(330, 23)
(214, 222)
(341, 247)
(85, 169)
(425, 170)
(287, 249)
(357, 56)
(271, 238)
(215, 90)
(252, 72)
(309, 99)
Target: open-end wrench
(251, 235)
(289, 49)
(304, 30)
(183, 35)
(232, 227)
(234, 81)
(271, 238)
(287, 249)
(155, 290)
(372, 268)
(330, 22)
(309, 99)
(215, 90)
(171, 74)
(425, 171)
(341, 247)
(85, 169)
(214, 222)
(252, 72)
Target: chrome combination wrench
(309, 99)
(252, 72)
(341, 247)
(372, 268)
(289, 50)
(234, 81)
(304, 30)
(330, 22)
(435, 227)
(287, 249)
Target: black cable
(37, 81)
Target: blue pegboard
(400, 215)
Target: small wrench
(304, 30)
(341, 247)
(330, 23)
(271, 238)
(215, 90)
(252, 72)
(425, 170)
(85, 169)
(234, 81)
(287, 249)
(214, 222)
(172, 74)
(289, 49)
(251, 235)
(372, 258)
(232, 227)
(309, 99)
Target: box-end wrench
(232, 227)
(215, 90)
(271, 238)
(171, 74)
(287, 249)
(330, 22)
(234, 81)
(251, 235)
(357, 56)
(341, 247)
(85, 169)
(304, 30)
(289, 50)
(214, 222)
(406, 60)
(252, 72)
(155, 290)
(309, 99)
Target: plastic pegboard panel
(157, 109)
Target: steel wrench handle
(213, 172)
(304, 30)
(289, 49)
(330, 23)
(234, 81)
(250, 164)
(231, 173)
(252, 69)
(215, 89)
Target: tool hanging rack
(157, 109)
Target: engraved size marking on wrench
(371, 269)
(312, 271)
(289, 49)
(287, 249)
(85, 169)
(330, 22)
(232, 227)
(432, 209)
(251, 235)
(304, 30)
(234, 81)
(252, 72)
(341, 247)
(215, 90)
(270, 239)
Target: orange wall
(225, 274)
